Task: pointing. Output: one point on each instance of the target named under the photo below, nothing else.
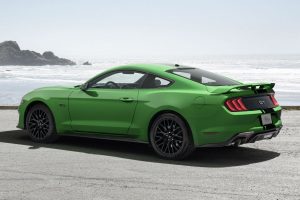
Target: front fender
(55, 100)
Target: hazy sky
(137, 28)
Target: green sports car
(174, 108)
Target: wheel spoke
(39, 124)
(168, 137)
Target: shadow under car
(202, 157)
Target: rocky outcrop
(87, 63)
(11, 54)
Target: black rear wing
(251, 86)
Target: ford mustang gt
(174, 108)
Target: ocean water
(283, 70)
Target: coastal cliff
(11, 54)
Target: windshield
(204, 77)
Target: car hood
(54, 88)
(49, 92)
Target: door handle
(126, 99)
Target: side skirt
(104, 137)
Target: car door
(107, 105)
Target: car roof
(152, 68)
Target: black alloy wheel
(170, 137)
(40, 124)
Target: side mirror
(84, 86)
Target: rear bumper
(217, 125)
(247, 137)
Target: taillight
(235, 105)
(274, 100)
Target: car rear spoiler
(249, 86)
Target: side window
(207, 80)
(184, 74)
(119, 80)
(155, 82)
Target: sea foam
(284, 71)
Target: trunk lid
(254, 96)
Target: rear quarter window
(203, 77)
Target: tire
(40, 124)
(170, 137)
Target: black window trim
(101, 76)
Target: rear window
(203, 77)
